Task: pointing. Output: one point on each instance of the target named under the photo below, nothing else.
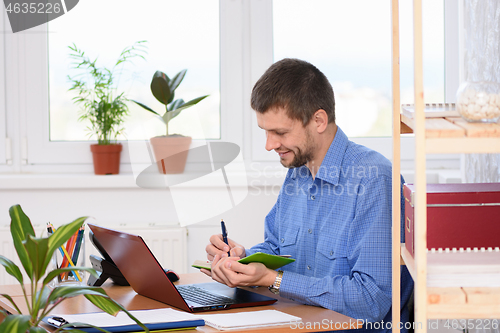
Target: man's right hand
(217, 246)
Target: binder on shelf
(459, 216)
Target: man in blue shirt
(333, 213)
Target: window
(179, 35)
(350, 41)
(234, 43)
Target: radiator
(168, 244)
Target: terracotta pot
(171, 153)
(106, 159)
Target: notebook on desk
(139, 266)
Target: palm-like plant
(102, 106)
(35, 255)
(163, 88)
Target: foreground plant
(35, 255)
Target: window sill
(16, 181)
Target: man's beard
(301, 158)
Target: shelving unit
(432, 136)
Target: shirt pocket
(332, 256)
(289, 237)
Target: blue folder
(185, 324)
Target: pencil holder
(70, 254)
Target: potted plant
(35, 255)
(170, 150)
(102, 105)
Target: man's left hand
(229, 271)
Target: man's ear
(320, 120)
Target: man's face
(293, 142)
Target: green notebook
(271, 261)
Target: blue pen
(224, 234)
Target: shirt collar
(332, 162)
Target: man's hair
(298, 87)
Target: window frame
(5, 142)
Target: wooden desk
(326, 320)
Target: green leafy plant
(163, 88)
(97, 94)
(35, 255)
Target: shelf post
(420, 178)
(396, 171)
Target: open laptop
(139, 266)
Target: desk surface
(314, 319)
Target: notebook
(254, 319)
(271, 261)
(139, 266)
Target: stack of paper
(251, 319)
(466, 268)
(432, 110)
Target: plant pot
(106, 159)
(171, 153)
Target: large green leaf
(56, 272)
(42, 297)
(12, 269)
(15, 324)
(172, 114)
(20, 228)
(110, 306)
(61, 236)
(37, 252)
(176, 104)
(174, 83)
(160, 87)
(72, 291)
(104, 303)
(147, 108)
(12, 302)
(37, 330)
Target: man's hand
(218, 247)
(229, 271)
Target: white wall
(127, 206)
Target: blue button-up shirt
(338, 228)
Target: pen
(224, 234)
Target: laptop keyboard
(202, 296)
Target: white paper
(228, 321)
(102, 319)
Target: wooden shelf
(457, 302)
(445, 135)
(454, 135)
(463, 302)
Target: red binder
(458, 216)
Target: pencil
(78, 245)
(70, 262)
(65, 255)
(68, 246)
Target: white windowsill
(127, 181)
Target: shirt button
(331, 253)
(313, 197)
(282, 240)
(310, 231)
(308, 267)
